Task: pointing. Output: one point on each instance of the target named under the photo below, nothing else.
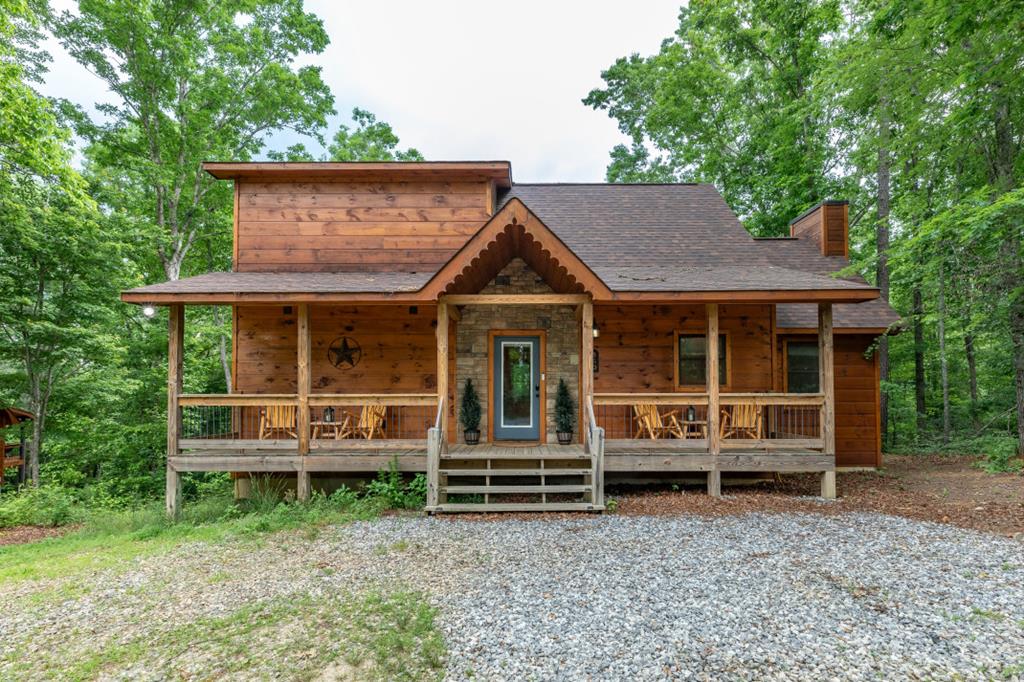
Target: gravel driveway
(797, 596)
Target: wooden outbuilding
(13, 454)
(365, 295)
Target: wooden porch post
(826, 379)
(304, 385)
(714, 446)
(175, 353)
(586, 363)
(442, 369)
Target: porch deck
(620, 456)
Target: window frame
(725, 382)
(785, 363)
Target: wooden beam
(515, 299)
(714, 444)
(652, 398)
(396, 399)
(304, 384)
(826, 380)
(442, 367)
(175, 365)
(237, 400)
(491, 194)
(586, 360)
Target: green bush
(469, 414)
(1000, 453)
(43, 506)
(565, 408)
(391, 489)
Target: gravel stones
(756, 596)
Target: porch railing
(746, 421)
(771, 421)
(271, 421)
(653, 416)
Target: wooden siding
(399, 349)
(857, 398)
(323, 226)
(827, 227)
(636, 346)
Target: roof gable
(515, 231)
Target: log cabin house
(365, 295)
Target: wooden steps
(489, 507)
(516, 456)
(486, 478)
(509, 471)
(490, 489)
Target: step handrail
(434, 440)
(595, 444)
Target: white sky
(459, 79)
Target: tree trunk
(222, 338)
(38, 398)
(1017, 332)
(920, 387)
(943, 360)
(1004, 180)
(972, 375)
(882, 245)
(225, 362)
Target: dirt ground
(941, 488)
(21, 534)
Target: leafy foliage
(469, 411)
(912, 110)
(565, 408)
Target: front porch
(307, 433)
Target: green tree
(195, 80)
(372, 140)
(729, 100)
(56, 262)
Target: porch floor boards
(620, 456)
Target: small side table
(694, 429)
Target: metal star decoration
(344, 352)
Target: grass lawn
(161, 606)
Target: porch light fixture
(149, 310)
(597, 332)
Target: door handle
(536, 391)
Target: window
(691, 360)
(802, 367)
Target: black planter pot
(564, 437)
(472, 436)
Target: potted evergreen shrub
(469, 414)
(565, 414)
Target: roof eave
(498, 171)
(857, 295)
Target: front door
(516, 391)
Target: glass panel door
(517, 388)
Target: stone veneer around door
(559, 322)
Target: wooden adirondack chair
(369, 425)
(653, 424)
(742, 420)
(276, 420)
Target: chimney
(827, 225)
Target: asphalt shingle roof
(665, 237)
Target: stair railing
(434, 442)
(595, 444)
